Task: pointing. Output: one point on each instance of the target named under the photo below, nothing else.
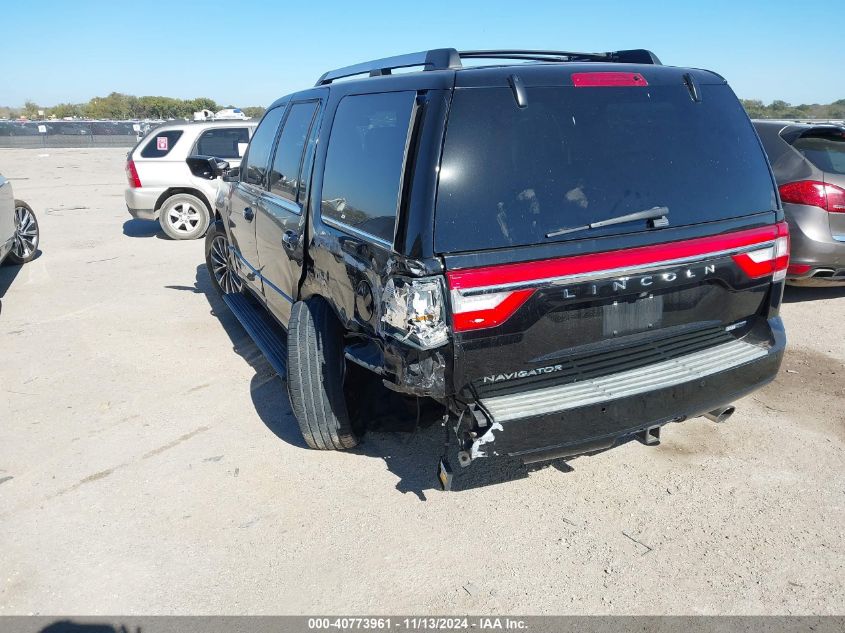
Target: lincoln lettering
(621, 284)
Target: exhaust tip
(721, 414)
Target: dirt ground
(150, 464)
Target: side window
(222, 142)
(258, 154)
(308, 162)
(364, 162)
(285, 174)
(160, 145)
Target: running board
(268, 335)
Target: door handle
(290, 240)
(249, 214)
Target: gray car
(808, 160)
(19, 232)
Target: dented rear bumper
(594, 415)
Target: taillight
(132, 174)
(475, 312)
(815, 194)
(607, 80)
(770, 260)
(413, 311)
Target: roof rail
(446, 58)
(435, 59)
(633, 56)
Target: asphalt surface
(150, 464)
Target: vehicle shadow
(144, 228)
(410, 441)
(70, 626)
(8, 272)
(797, 294)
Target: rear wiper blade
(655, 213)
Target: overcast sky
(249, 52)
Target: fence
(35, 134)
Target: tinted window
(223, 142)
(161, 144)
(285, 175)
(573, 156)
(825, 149)
(308, 163)
(364, 163)
(258, 154)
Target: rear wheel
(316, 373)
(184, 217)
(27, 234)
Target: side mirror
(233, 174)
(207, 167)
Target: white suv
(161, 185)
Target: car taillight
(413, 311)
(132, 174)
(815, 194)
(770, 260)
(475, 312)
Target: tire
(219, 261)
(27, 234)
(184, 217)
(315, 376)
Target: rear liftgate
(730, 272)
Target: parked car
(565, 254)
(161, 186)
(808, 160)
(19, 232)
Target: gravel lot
(150, 464)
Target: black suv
(565, 250)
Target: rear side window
(222, 142)
(825, 149)
(366, 151)
(161, 143)
(574, 156)
(258, 154)
(286, 173)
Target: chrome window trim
(356, 232)
(287, 205)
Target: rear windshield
(825, 149)
(573, 156)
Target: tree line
(119, 106)
(778, 109)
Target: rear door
(281, 217)
(537, 295)
(247, 193)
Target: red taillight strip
(551, 269)
(132, 174)
(501, 284)
(479, 319)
